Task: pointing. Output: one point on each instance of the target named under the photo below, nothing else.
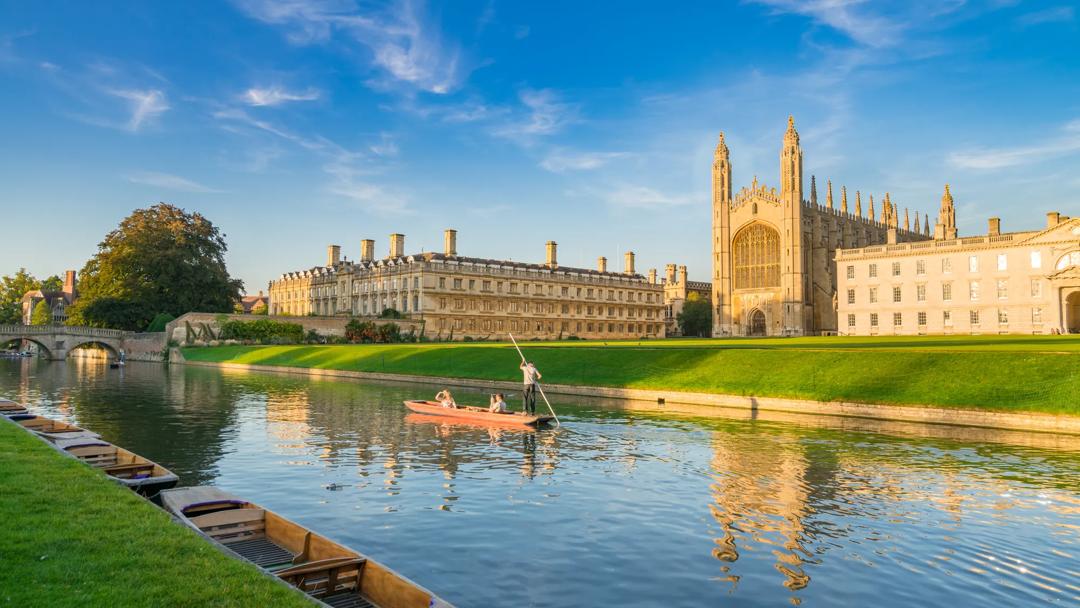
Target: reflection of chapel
(773, 251)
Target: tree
(260, 309)
(391, 313)
(53, 283)
(160, 259)
(12, 289)
(159, 322)
(42, 314)
(695, 319)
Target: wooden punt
(11, 408)
(140, 474)
(53, 430)
(330, 573)
(477, 414)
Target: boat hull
(476, 414)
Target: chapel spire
(907, 220)
(721, 172)
(828, 197)
(926, 224)
(791, 169)
(858, 204)
(872, 208)
(946, 224)
(813, 190)
(843, 199)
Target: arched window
(757, 257)
(1069, 259)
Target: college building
(677, 290)
(1001, 282)
(460, 297)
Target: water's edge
(1022, 421)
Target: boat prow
(52, 430)
(476, 414)
(126, 468)
(328, 572)
(11, 408)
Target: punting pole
(550, 409)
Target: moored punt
(328, 572)
(140, 474)
(478, 414)
(10, 408)
(53, 430)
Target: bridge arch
(112, 349)
(4, 339)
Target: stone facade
(458, 296)
(773, 250)
(677, 290)
(1019, 282)
(58, 301)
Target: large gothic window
(757, 257)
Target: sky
(295, 124)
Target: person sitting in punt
(445, 399)
(498, 404)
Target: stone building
(1001, 282)
(677, 290)
(458, 296)
(773, 250)
(57, 301)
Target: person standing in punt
(528, 395)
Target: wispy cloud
(853, 18)
(629, 196)
(1056, 14)
(145, 105)
(543, 112)
(1067, 142)
(273, 96)
(351, 181)
(168, 181)
(561, 161)
(404, 43)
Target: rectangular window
(1036, 315)
(920, 293)
(897, 319)
(851, 320)
(896, 294)
(973, 291)
(946, 265)
(487, 285)
(920, 267)
(851, 272)
(973, 263)
(457, 283)
(1003, 316)
(896, 269)
(922, 318)
(472, 284)
(442, 282)
(873, 271)
(873, 319)
(1003, 261)
(1036, 259)
(1036, 288)
(873, 295)
(946, 318)
(851, 296)
(946, 292)
(973, 317)
(1002, 289)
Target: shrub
(160, 321)
(263, 331)
(391, 313)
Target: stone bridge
(56, 341)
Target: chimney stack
(652, 276)
(682, 275)
(669, 274)
(601, 264)
(69, 282)
(333, 255)
(450, 242)
(397, 245)
(1053, 219)
(995, 226)
(629, 266)
(367, 250)
(552, 253)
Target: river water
(617, 508)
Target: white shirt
(531, 374)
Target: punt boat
(10, 408)
(477, 414)
(127, 468)
(53, 430)
(330, 573)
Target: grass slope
(71, 537)
(1006, 373)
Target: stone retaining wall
(177, 329)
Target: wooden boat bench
(334, 581)
(99, 456)
(243, 531)
(129, 471)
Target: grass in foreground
(1004, 373)
(71, 537)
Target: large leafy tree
(696, 316)
(12, 289)
(42, 314)
(159, 260)
(53, 283)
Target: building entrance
(757, 323)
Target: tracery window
(757, 257)
(1069, 259)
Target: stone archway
(755, 323)
(42, 349)
(1072, 313)
(110, 349)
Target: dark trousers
(529, 397)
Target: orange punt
(476, 414)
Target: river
(618, 507)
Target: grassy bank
(1006, 373)
(71, 537)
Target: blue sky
(293, 125)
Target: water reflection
(630, 507)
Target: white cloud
(273, 96)
(168, 181)
(629, 196)
(145, 105)
(845, 16)
(1057, 14)
(560, 161)
(544, 113)
(1065, 143)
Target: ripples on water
(617, 507)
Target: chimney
(397, 245)
(1052, 219)
(669, 274)
(69, 282)
(629, 266)
(995, 226)
(333, 255)
(682, 275)
(367, 250)
(652, 276)
(260, 293)
(601, 264)
(552, 251)
(450, 242)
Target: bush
(367, 332)
(160, 321)
(391, 313)
(263, 331)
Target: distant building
(677, 290)
(1014, 282)
(248, 303)
(458, 296)
(57, 301)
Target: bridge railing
(71, 330)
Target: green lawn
(1008, 373)
(71, 537)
